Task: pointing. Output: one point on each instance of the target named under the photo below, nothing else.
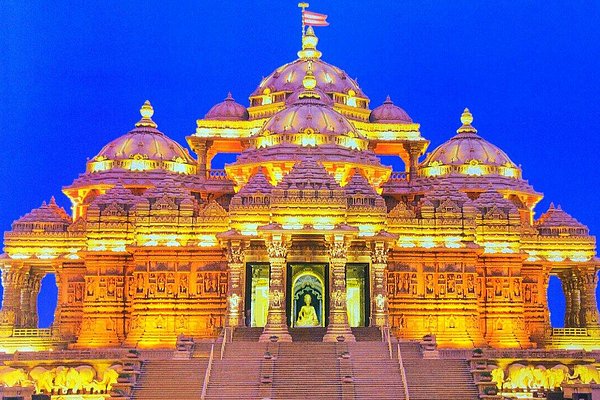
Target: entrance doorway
(307, 295)
(257, 294)
(357, 294)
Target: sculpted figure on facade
(277, 250)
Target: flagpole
(303, 6)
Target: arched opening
(220, 159)
(47, 300)
(395, 162)
(556, 302)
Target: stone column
(414, 162)
(29, 295)
(201, 151)
(379, 300)
(235, 288)
(338, 307)
(12, 281)
(570, 287)
(587, 279)
(277, 316)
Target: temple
(305, 234)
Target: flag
(314, 19)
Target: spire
(466, 118)
(229, 97)
(147, 112)
(309, 45)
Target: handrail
(207, 374)
(403, 374)
(224, 342)
(388, 337)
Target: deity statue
(307, 315)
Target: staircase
(436, 379)
(375, 374)
(307, 334)
(367, 334)
(170, 379)
(237, 375)
(245, 334)
(306, 371)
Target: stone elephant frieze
(586, 374)
(11, 377)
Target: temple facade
(305, 229)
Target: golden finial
(466, 118)
(309, 45)
(147, 112)
(309, 82)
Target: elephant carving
(43, 379)
(109, 378)
(11, 377)
(498, 377)
(86, 377)
(586, 374)
(556, 375)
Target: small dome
(227, 110)
(468, 153)
(557, 222)
(390, 113)
(143, 148)
(48, 217)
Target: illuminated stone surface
(160, 246)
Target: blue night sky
(74, 74)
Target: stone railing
(398, 176)
(216, 174)
(32, 332)
(569, 332)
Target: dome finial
(466, 118)
(309, 82)
(147, 112)
(309, 45)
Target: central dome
(331, 80)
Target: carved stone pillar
(201, 150)
(338, 307)
(12, 281)
(414, 163)
(587, 279)
(29, 295)
(571, 288)
(235, 288)
(277, 316)
(379, 300)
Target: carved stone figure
(276, 250)
(586, 374)
(234, 302)
(307, 315)
(498, 377)
(380, 302)
(43, 379)
(11, 377)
